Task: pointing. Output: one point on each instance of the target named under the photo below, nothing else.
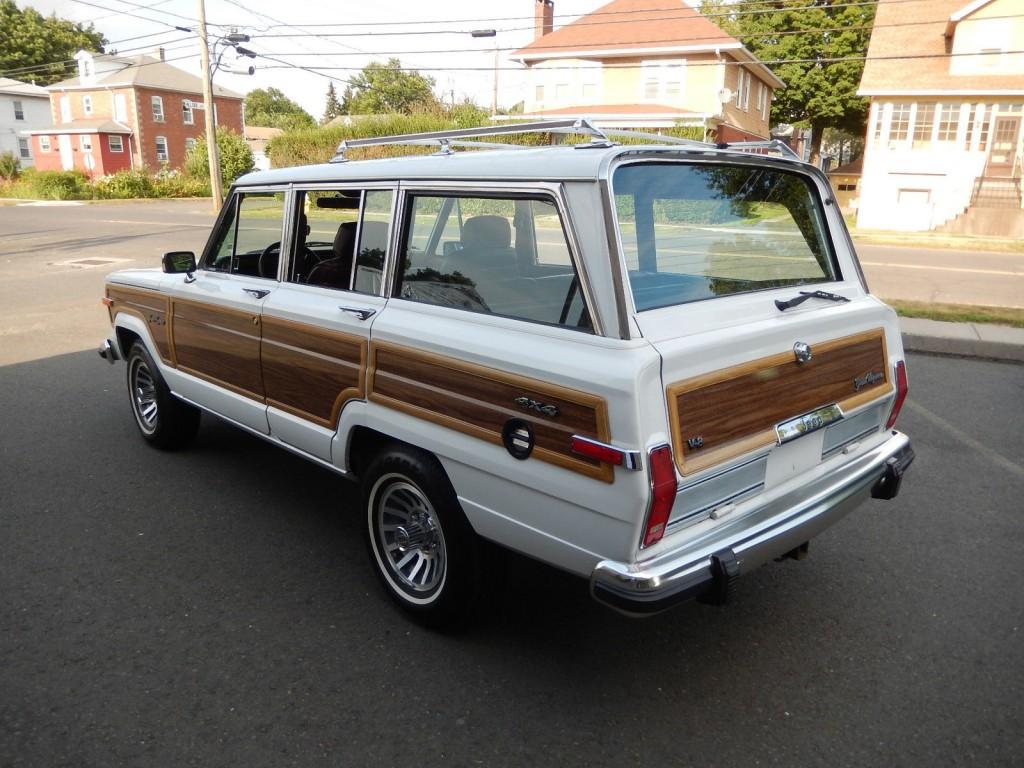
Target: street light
(491, 33)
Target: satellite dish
(725, 95)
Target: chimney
(158, 53)
(543, 18)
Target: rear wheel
(163, 420)
(420, 543)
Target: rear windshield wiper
(804, 296)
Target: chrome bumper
(108, 351)
(706, 566)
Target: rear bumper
(108, 351)
(707, 565)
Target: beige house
(943, 148)
(646, 64)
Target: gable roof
(18, 88)
(638, 27)
(919, 28)
(145, 72)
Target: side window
(249, 240)
(341, 239)
(500, 256)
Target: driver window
(250, 240)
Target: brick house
(127, 113)
(945, 137)
(646, 64)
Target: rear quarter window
(691, 232)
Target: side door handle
(257, 292)
(362, 314)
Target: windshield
(693, 232)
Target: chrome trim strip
(806, 423)
(840, 446)
(720, 472)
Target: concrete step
(988, 221)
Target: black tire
(420, 544)
(163, 420)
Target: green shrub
(124, 185)
(54, 185)
(235, 158)
(180, 185)
(10, 166)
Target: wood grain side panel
(736, 409)
(311, 372)
(478, 401)
(220, 345)
(151, 307)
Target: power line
(125, 13)
(34, 68)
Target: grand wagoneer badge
(869, 378)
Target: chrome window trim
(298, 188)
(553, 190)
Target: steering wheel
(268, 268)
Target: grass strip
(959, 313)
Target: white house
(23, 107)
(943, 148)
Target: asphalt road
(49, 298)
(215, 607)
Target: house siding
(36, 115)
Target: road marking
(1004, 273)
(970, 442)
(153, 223)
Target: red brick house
(127, 113)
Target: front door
(1002, 158)
(316, 325)
(216, 322)
(67, 159)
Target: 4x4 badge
(529, 404)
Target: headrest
(486, 232)
(345, 240)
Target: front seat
(486, 248)
(336, 272)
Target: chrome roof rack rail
(445, 139)
(657, 138)
(775, 145)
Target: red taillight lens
(663, 491)
(901, 393)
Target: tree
(49, 43)
(382, 88)
(235, 157)
(270, 108)
(807, 36)
(333, 108)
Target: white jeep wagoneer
(657, 366)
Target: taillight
(663, 493)
(901, 393)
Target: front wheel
(163, 420)
(420, 543)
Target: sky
(434, 36)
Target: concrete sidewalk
(992, 342)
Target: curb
(978, 340)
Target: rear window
(693, 232)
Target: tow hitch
(888, 484)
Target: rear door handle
(257, 292)
(362, 314)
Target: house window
(651, 84)
(986, 121)
(23, 149)
(19, 111)
(120, 108)
(663, 80)
(186, 112)
(878, 110)
(923, 123)
(115, 143)
(158, 109)
(949, 120)
(562, 92)
(746, 91)
(760, 96)
(900, 124)
(847, 187)
(85, 143)
(87, 105)
(190, 145)
(44, 143)
(767, 102)
(161, 149)
(538, 94)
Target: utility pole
(211, 129)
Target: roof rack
(599, 137)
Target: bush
(54, 185)
(176, 184)
(10, 166)
(124, 185)
(235, 158)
